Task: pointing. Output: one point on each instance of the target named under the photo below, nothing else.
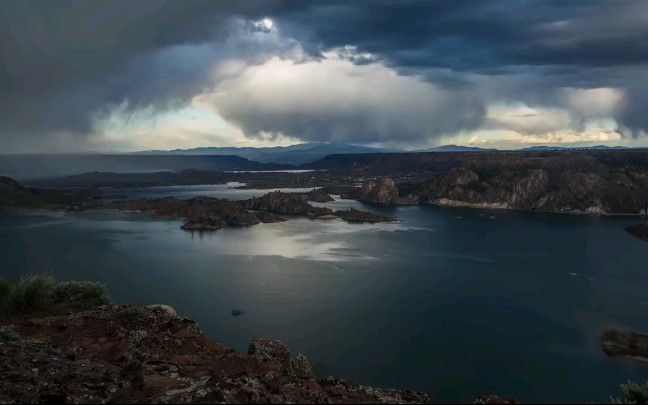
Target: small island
(625, 342)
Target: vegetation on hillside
(41, 292)
(632, 393)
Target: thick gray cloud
(64, 63)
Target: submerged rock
(353, 215)
(638, 230)
(625, 342)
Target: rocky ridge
(126, 354)
(638, 230)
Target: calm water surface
(449, 301)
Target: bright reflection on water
(453, 306)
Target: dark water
(455, 307)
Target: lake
(449, 301)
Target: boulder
(301, 368)
(625, 342)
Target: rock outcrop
(639, 230)
(125, 354)
(10, 190)
(524, 187)
(353, 215)
(625, 342)
(285, 203)
(200, 212)
(317, 196)
(382, 190)
(268, 217)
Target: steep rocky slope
(10, 190)
(125, 354)
(556, 189)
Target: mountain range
(304, 153)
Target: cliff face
(10, 190)
(525, 187)
(125, 354)
(382, 190)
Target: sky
(94, 75)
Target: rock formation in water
(125, 354)
(639, 230)
(353, 215)
(625, 342)
(382, 190)
(201, 212)
(268, 217)
(285, 203)
(317, 196)
(11, 191)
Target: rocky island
(625, 343)
(201, 213)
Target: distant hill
(293, 154)
(456, 148)
(597, 147)
(392, 164)
(23, 167)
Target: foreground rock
(639, 230)
(125, 354)
(495, 399)
(625, 342)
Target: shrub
(31, 293)
(80, 294)
(632, 393)
(9, 334)
(133, 312)
(43, 292)
(5, 286)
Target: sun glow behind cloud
(263, 90)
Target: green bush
(43, 292)
(632, 393)
(33, 292)
(5, 286)
(9, 334)
(80, 294)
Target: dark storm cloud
(63, 62)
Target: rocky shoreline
(639, 230)
(130, 354)
(126, 354)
